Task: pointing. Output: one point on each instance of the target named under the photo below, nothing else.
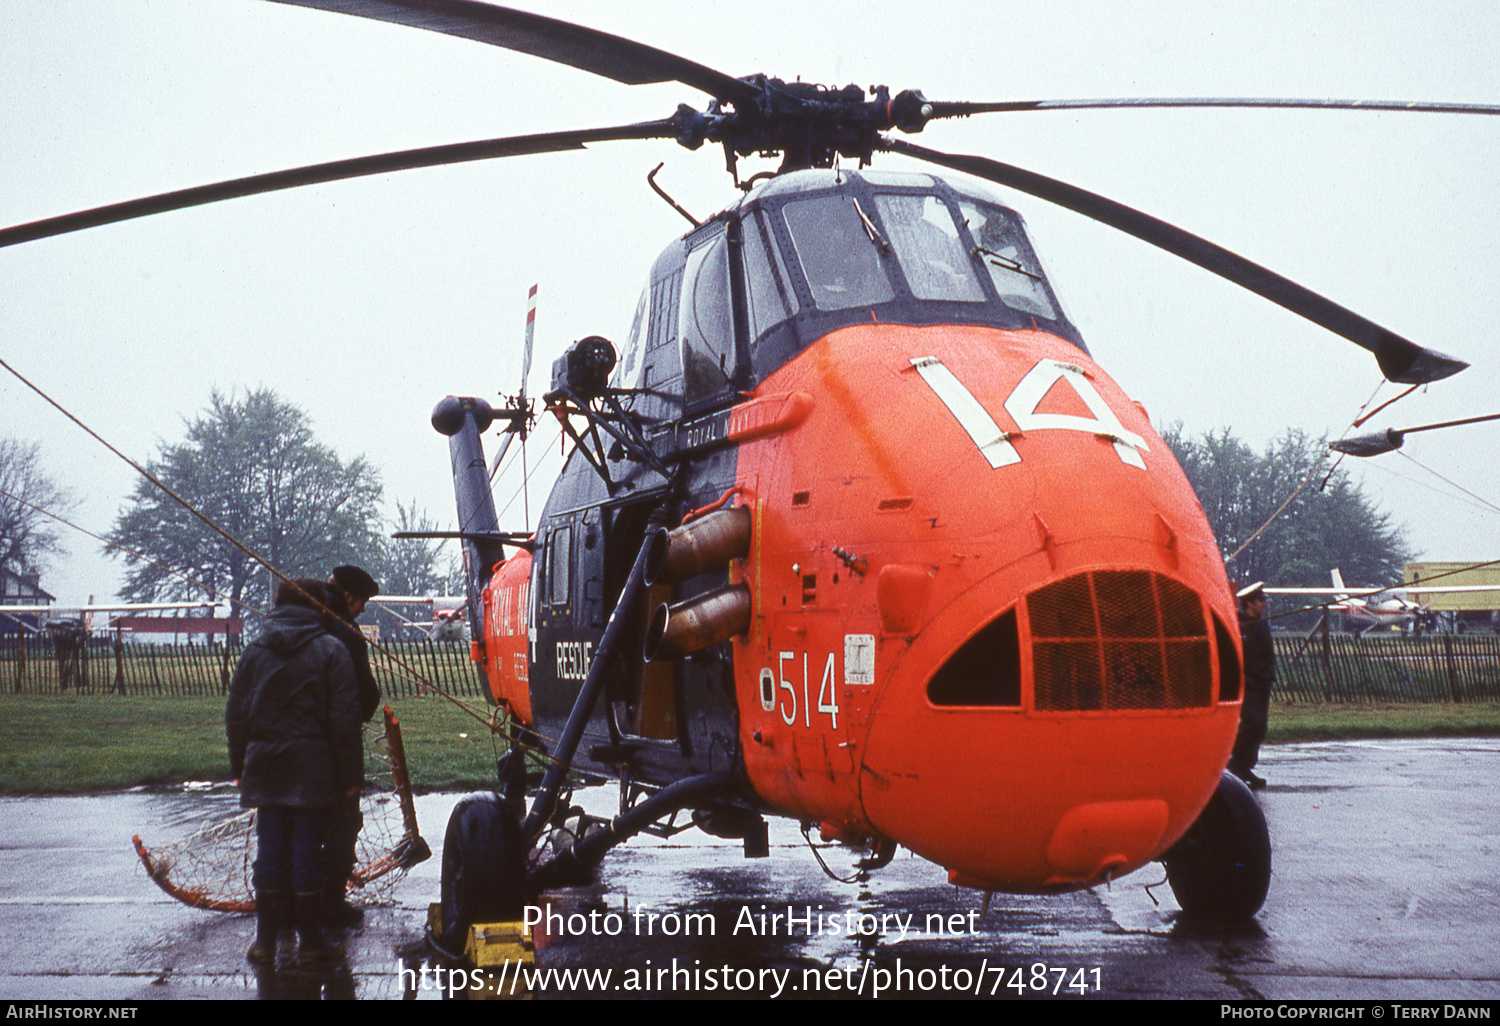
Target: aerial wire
(522, 492)
(215, 593)
(1279, 510)
(217, 529)
(1485, 503)
(1477, 502)
(1359, 418)
(149, 476)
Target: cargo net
(211, 868)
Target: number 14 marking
(994, 444)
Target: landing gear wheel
(483, 868)
(1220, 870)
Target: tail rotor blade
(519, 427)
(530, 338)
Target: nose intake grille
(1119, 640)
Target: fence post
(1327, 664)
(68, 644)
(432, 659)
(1452, 670)
(119, 662)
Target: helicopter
(944, 580)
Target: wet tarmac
(1384, 887)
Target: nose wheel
(483, 868)
(1220, 870)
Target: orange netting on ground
(211, 868)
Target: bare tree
(29, 537)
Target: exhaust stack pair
(694, 548)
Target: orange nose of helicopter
(1047, 692)
(1070, 740)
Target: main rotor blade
(453, 153)
(958, 110)
(584, 48)
(1400, 360)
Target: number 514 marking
(780, 694)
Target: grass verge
(66, 744)
(69, 744)
(1319, 722)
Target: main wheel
(1221, 868)
(483, 870)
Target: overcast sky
(365, 302)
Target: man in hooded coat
(350, 589)
(293, 721)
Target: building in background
(22, 590)
(1466, 610)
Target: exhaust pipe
(695, 547)
(695, 624)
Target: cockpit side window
(839, 251)
(559, 566)
(661, 331)
(771, 297)
(928, 247)
(1013, 268)
(706, 320)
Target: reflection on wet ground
(1384, 887)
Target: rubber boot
(337, 912)
(314, 945)
(270, 914)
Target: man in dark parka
(294, 744)
(1260, 674)
(349, 591)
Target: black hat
(356, 583)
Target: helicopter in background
(854, 529)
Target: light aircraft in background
(56, 611)
(1376, 607)
(448, 619)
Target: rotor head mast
(806, 124)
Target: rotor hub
(808, 125)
